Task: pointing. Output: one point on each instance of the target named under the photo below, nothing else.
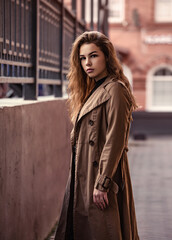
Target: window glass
(163, 10)
(88, 11)
(162, 90)
(163, 72)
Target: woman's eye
(82, 58)
(94, 55)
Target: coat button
(91, 122)
(91, 142)
(95, 164)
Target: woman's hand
(100, 199)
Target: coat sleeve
(118, 112)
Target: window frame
(121, 19)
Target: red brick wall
(142, 56)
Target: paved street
(151, 172)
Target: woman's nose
(88, 62)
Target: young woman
(98, 203)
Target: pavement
(150, 164)
(151, 172)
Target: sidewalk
(151, 172)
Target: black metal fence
(35, 41)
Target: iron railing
(35, 41)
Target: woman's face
(93, 61)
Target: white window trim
(129, 75)
(149, 80)
(122, 17)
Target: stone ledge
(12, 102)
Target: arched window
(159, 89)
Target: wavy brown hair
(80, 84)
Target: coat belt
(114, 187)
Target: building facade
(142, 33)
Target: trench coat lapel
(97, 98)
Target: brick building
(142, 33)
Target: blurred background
(36, 38)
(35, 42)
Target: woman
(98, 203)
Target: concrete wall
(34, 165)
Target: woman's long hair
(80, 84)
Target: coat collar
(100, 96)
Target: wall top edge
(6, 102)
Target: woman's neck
(101, 79)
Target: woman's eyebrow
(89, 53)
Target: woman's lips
(90, 70)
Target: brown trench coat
(101, 134)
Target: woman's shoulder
(115, 85)
(118, 89)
